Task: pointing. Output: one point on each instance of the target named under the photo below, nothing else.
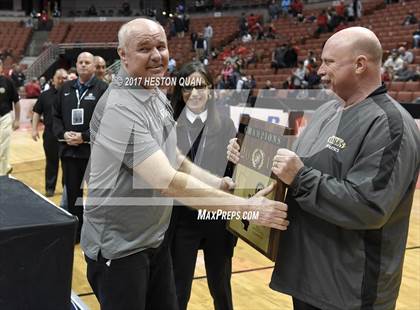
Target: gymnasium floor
(251, 271)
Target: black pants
(137, 282)
(74, 171)
(50, 144)
(217, 243)
(300, 305)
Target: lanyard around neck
(79, 98)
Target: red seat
(397, 86)
(404, 96)
(412, 86)
(393, 94)
(416, 95)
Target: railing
(114, 68)
(41, 64)
(50, 55)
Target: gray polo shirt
(123, 214)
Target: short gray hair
(127, 28)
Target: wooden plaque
(259, 142)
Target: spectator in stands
(268, 85)
(92, 11)
(227, 73)
(246, 37)
(56, 10)
(394, 61)
(179, 25)
(9, 101)
(193, 37)
(243, 25)
(273, 10)
(43, 20)
(416, 37)
(43, 83)
(340, 10)
(125, 9)
(33, 89)
(34, 13)
(290, 57)
(171, 65)
(404, 74)
(258, 31)
(200, 46)
(250, 58)
(252, 82)
(298, 76)
(43, 107)
(8, 53)
(416, 76)
(252, 20)
(100, 67)
(232, 59)
(387, 74)
(186, 22)
(406, 55)
(285, 7)
(218, 4)
(277, 58)
(296, 7)
(350, 12)
(358, 8)
(17, 75)
(322, 23)
(236, 75)
(208, 35)
(271, 33)
(312, 78)
(219, 82)
(410, 19)
(333, 21)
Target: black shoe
(49, 193)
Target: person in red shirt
(340, 8)
(32, 89)
(297, 7)
(322, 22)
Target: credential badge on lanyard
(77, 115)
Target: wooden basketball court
(251, 271)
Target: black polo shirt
(8, 95)
(44, 104)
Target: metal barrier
(51, 54)
(41, 64)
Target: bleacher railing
(51, 54)
(41, 64)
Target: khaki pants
(5, 134)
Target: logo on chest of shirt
(90, 96)
(335, 144)
(2, 90)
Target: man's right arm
(58, 126)
(158, 172)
